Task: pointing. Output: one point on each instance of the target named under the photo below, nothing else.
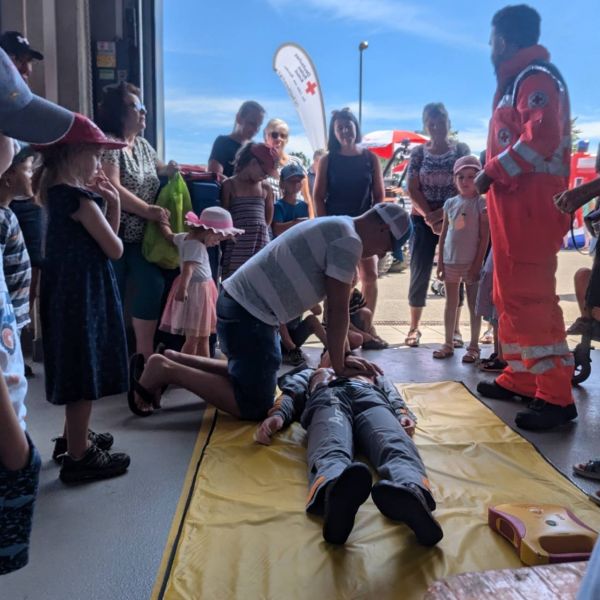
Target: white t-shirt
(462, 237)
(11, 356)
(288, 275)
(193, 251)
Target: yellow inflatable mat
(241, 530)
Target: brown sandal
(471, 355)
(446, 351)
(413, 338)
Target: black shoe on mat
(493, 390)
(343, 497)
(541, 415)
(408, 504)
(104, 441)
(94, 464)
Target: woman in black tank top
(349, 182)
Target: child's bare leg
(78, 422)
(450, 311)
(190, 345)
(214, 388)
(317, 328)
(202, 348)
(475, 320)
(210, 365)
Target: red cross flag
(299, 76)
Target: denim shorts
(253, 355)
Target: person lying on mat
(335, 411)
(311, 261)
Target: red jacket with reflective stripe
(530, 129)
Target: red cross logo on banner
(310, 88)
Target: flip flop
(136, 368)
(413, 338)
(589, 470)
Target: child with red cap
(249, 198)
(85, 351)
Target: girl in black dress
(85, 355)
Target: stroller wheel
(583, 364)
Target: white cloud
(388, 15)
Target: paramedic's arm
(338, 317)
(538, 105)
(14, 449)
(320, 189)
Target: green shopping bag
(175, 197)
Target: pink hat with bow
(214, 218)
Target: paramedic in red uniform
(527, 163)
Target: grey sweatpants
(353, 413)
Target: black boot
(541, 415)
(408, 504)
(343, 497)
(497, 392)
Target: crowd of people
(292, 241)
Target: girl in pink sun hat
(190, 308)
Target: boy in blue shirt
(289, 210)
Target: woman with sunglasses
(277, 134)
(349, 182)
(134, 171)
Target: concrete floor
(105, 540)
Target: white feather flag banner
(297, 71)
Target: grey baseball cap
(25, 116)
(399, 222)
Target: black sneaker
(294, 358)
(104, 441)
(94, 464)
(409, 504)
(343, 496)
(541, 415)
(493, 390)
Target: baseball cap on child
(85, 131)
(25, 116)
(397, 218)
(294, 169)
(467, 162)
(267, 157)
(215, 218)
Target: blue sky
(218, 54)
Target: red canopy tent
(383, 143)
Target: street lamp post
(361, 48)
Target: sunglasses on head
(276, 135)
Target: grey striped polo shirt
(288, 275)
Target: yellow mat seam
(187, 489)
